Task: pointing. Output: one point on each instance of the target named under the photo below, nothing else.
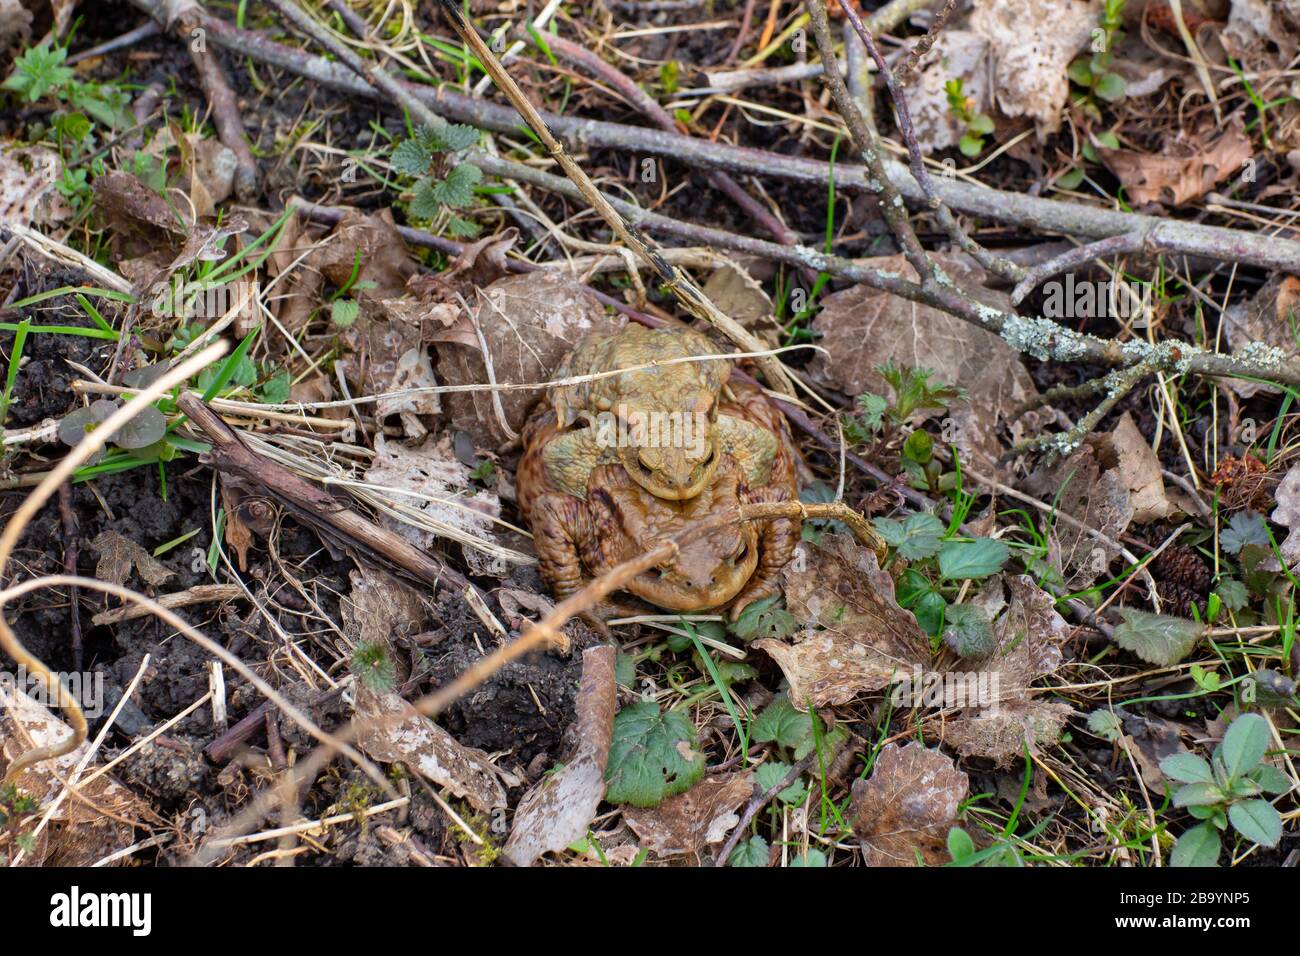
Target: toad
(614, 465)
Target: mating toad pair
(618, 464)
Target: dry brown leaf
(1033, 44)
(27, 194)
(862, 328)
(866, 640)
(1287, 514)
(1138, 469)
(529, 323)
(691, 822)
(739, 295)
(1097, 497)
(119, 554)
(1027, 646)
(460, 511)
(82, 831)
(381, 607)
(907, 806)
(15, 23)
(559, 810)
(956, 54)
(1180, 173)
(427, 749)
(1151, 740)
(367, 249)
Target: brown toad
(615, 465)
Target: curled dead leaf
(855, 637)
(1181, 172)
(692, 822)
(118, 554)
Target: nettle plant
(975, 125)
(879, 423)
(439, 187)
(1227, 789)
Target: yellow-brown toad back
(612, 466)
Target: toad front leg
(562, 528)
(776, 543)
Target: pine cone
(1181, 565)
(1178, 600)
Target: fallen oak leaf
(907, 805)
(1174, 180)
(118, 554)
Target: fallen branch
(315, 506)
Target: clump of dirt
(525, 707)
(43, 389)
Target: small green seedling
(976, 125)
(1227, 789)
(1093, 73)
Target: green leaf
(1107, 139)
(1244, 528)
(812, 858)
(1111, 87)
(781, 724)
(1157, 638)
(1106, 725)
(970, 145)
(457, 190)
(1069, 179)
(410, 158)
(960, 845)
(1244, 744)
(456, 136)
(343, 312)
(624, 670)
(1080, 72)
(1187, 768)
(773, 772)
(38, 71)
(919, 447)
(930, 612)
(1198, 795)
(960, 560)
(1257, 821)
(750, 853)
(871, 409)
(425, 204)
(765, 618)
(652, 755)
(981, 125)
(1272, 780)
(148, 426)
(275, 390)
(1199, 846)
(1232, 593)
(919, 535)
(968, 631)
